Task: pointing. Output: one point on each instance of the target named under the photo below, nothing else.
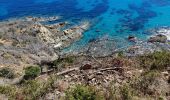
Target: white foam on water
(165, 32)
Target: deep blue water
(112, 18)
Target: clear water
(116, 19)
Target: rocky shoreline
(30, 42)
(103, 47)
(27, 41)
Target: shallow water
(116, 19)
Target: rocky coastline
(26, 41)
(103, 47)
(29, 41)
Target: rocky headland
(28, 40)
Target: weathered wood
(67, 71)
(106, 69)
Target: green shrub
(143, 83)
(7, 73)
(156, 60)
(160, 98)
(120, 92)
(33, 89)
(113, 92)
(120, 54)
(32, 72)
(30, 89)
(126, 92)
(9, 91)
(81, 92)
(69, 60)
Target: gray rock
(158, 38)
(132, 38)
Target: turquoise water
(115, 19)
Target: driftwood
(67, 71)
(106, 69)
(77, 68)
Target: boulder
(86, 66)
(169, 79)
(168, 69)
(132, 38)
(158, 38)
(132, 49)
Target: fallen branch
(77, 68)
(106, 69)
(67, 71)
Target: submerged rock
(101, 48)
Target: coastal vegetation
(82, 92)
(156, 61)
(32, 72)
(145, 78)
(7, 73)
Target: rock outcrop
(28, 41)
(160, 34)
(158, 38)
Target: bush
(148, 83)
(156, 60)
(32, 72)
(69, 60)
(126, 92)
(7, 73)
(81, 92)
(122, 92)
(32, 89)
(120, 54)
(9, 91)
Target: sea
(112, 19)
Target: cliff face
(28, 41)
